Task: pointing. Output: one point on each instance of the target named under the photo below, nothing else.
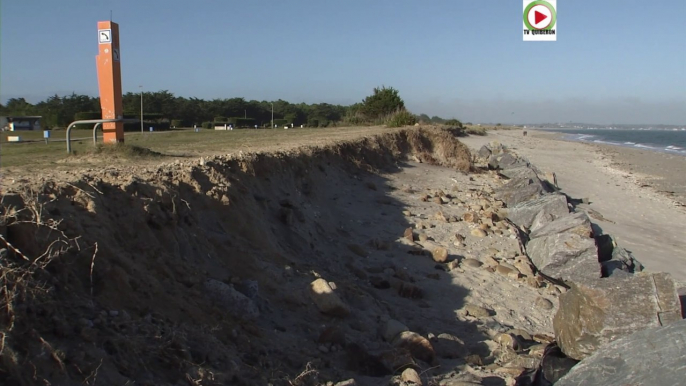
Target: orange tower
(109, 81)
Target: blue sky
(615, 61)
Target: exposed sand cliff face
(200, 272)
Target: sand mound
(129, 274)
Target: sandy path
(643, 221)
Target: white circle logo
(540, 16)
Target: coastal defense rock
(519, 190)
(326, 300)
(225, 296)
(615, 260)
(518, 172)
(484, 152)
(523, 214)
(578, 223)
(595, 312)
(566, 256)
(654, 356)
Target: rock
(406, 290)
(654, 356)
(518, 172)
(476, 311)
(524, 268)
(513, 371)
(449, 346)
(542, 218)
(507, 161)
(470, 217)
(489, 261)
(553, 366)
(596, 312)
(349, 382)
(474, 359)
(484, 152)
(439, 254)
(520, 334)
(509, 341)
(226, 297)
(566, 256)
(440, 216)
(393, 328)
(419, 346)
(478, 232)
(614, 260)
(503, 270)
(460, 238)
(523, 213)
(249, 288)
(410, 375)
(437, 200)
(423, 237)
(578, 223)
(408, 234)
(519, 190)
(471, 263)
(326, 300)
(543, 304)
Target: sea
(671, 140)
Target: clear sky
(615, 61)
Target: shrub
(208, 125)
(401, 118)
(383, 102)
(453, 122)
(176, 123)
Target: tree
(384, 101)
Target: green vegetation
(163, 110)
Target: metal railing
(98, 123)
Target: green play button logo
(540, 20)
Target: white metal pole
(272, 115)
(141, 87)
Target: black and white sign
(104, 36)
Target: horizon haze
(454, 59)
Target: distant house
(18, 123)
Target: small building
(18, 123)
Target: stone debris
(326, 300)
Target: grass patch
(124, 150)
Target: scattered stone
(406, 290)
(506, 340)
(460, 238)
(503, 270)
(439, 254)
(230, 299)
(470, 217)
(449, 346)
(489, 261)
(445, 200)
(453, 264)
(651, 357)
(408, 235)
(440, 216)
(523, 214)
(419, 346)
(407, 213)
(326, 300)
(437, 200)
(478, 232)
(543, 303)
(410, 375)
(423, 237)
(595, 312)
(484, 152)
(349, 382)
(471, 263)
(425, 198)
(513, 371)
(524, 268)
(476, 311)
(474, 359)
(393, 328)
(520, 334)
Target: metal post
(88, 121)
(141, 87)
(272, 115)
(95, 133)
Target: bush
(453, 122)
(208, 125)
(401, 118)
(176, 123)
(383, 102)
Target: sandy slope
(645, 222)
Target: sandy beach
(624, 187)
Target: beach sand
(622, 185)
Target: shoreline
(660, 171)
(620, 186)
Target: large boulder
(615, 260)
(578, 223)
(523, 213)
(484, 152)
(519, 190)
(518, 172)
(566, 256)
(231, 300)
(595, 312)
(654, 356)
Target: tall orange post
(109, 81)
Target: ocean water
(668, 141)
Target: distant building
(20, 123)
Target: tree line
(166, 108)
